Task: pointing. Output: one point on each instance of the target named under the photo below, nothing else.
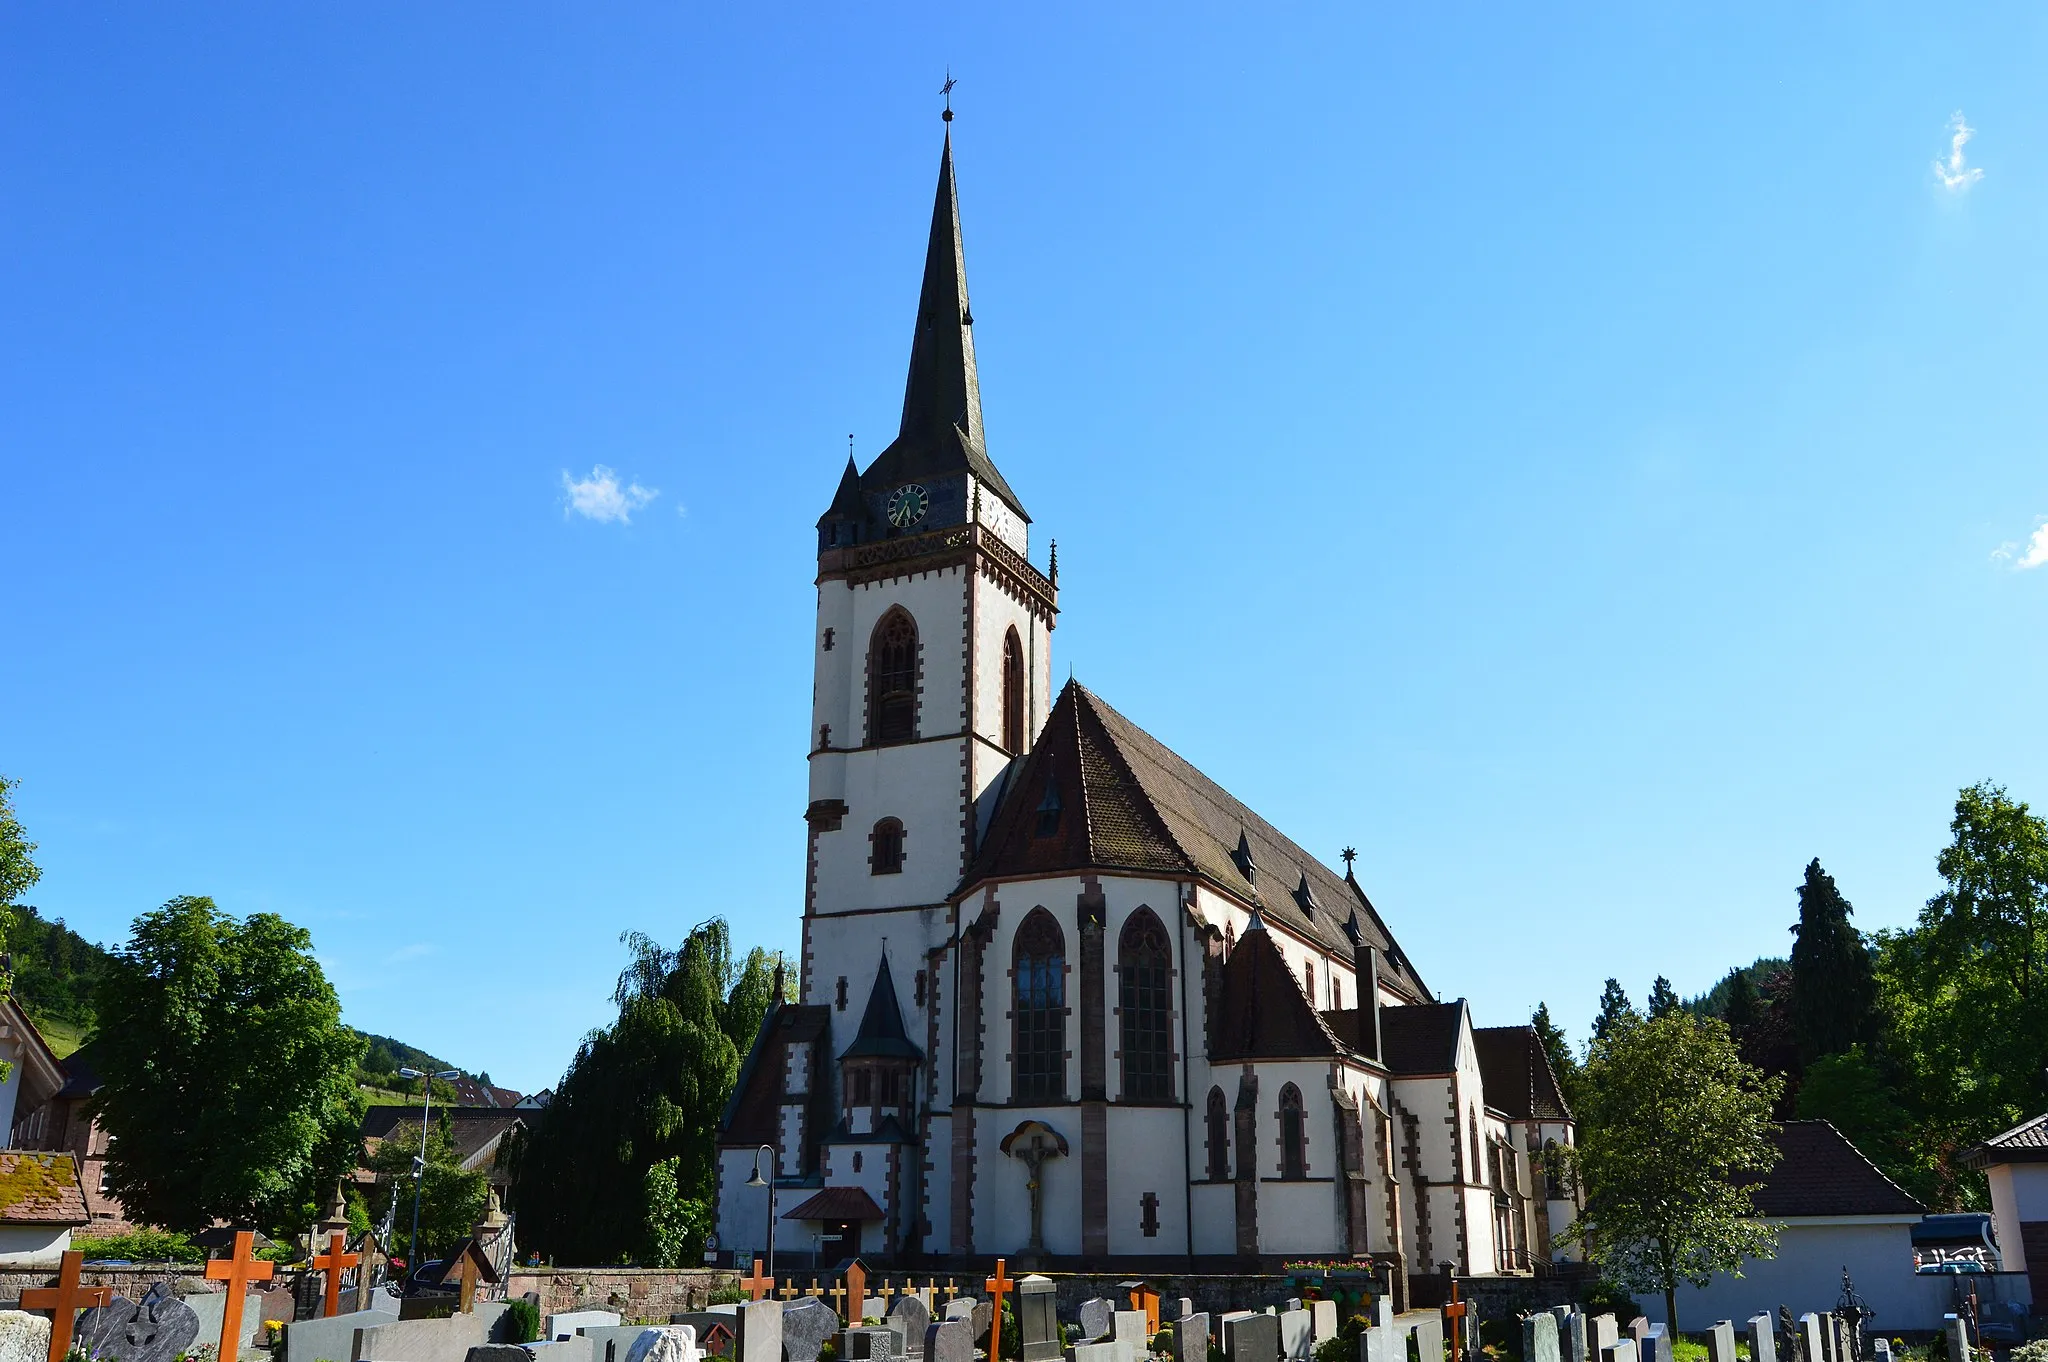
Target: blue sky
(1585, 460)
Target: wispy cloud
(602, 497)
(2032, 554)
(411, 951)
(1954, 171)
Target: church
(1063, 998)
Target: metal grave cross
(64, 1300)
(758, 1285)
(998, 1287)
(334, 1262)
(238, 1269)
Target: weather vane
(1349, 854)
(947, 91)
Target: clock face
(907, 505)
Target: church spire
(942, 389)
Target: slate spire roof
(941, 431)
(881, 1034)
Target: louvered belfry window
(892, 679)
(1145, 1008)
(1040, 1013)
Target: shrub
(522, 1321)
(1337, 1348)
(726, 1295)
(2037, 1351)
(1162, 1342)
(141, 1246)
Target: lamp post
(419, 1164)
(758, 1181)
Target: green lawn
(64, 1037)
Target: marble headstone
(669, 1343)
(806, 1324)
(1721, 1341)
(1639, 1329)
(1813, 1350)
(1601, 1333)
(565, 1324)
(1097, 1317)
(24, 1337)
(759, 1335)
(1191, 1337)
(1429, 1336)
(1097, 1352)
(1129, 1326)
(1958, 1336)
(1656, 1344)
(1175, 1307)
(948, 1340)
(1254, 1338)
(1763, 1339)
(1297, 1335)
(1881, 1350)
(1621, 1350)
(1539, 1338)
(154, 1329)
(1571, 1335)
(864, 1341)
(1322, 1318)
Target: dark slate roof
(888, 1130)
(941, 431)
(1821, 1173)
(40, 1189)
(846, 502)
(2026, 1142)
(1131, 803)
(471, 1128)
(837, 1203)
(1422, 1039)
(1263, 1013)
(81, 1072)
(753, 1115)
(1515, 1070)
(881, 1034)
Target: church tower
(932, 676)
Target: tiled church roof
(1516, 1073)
(1263, 1013)
(1129, 802)
(1422, 1039)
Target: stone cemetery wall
(638, 1295)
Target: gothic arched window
(1013, 693)
(1219, 1137)
(1293, 1137)
(892, 679)
(1144, 967)
(1038, 969)
(887, 840)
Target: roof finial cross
(947, 91)
(1349, 854)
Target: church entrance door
(842, 1240)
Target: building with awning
(840, 1214)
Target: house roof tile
(40, 1189)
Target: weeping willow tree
(647, 1090)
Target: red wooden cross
(238, 1269)
(758, 1285)
(334, 1262)
(64, 1301)
(1454, 1321)
(998, 1287)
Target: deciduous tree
(228, 1078)
(1672, 1123)
(452, 1198)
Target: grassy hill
(56, 971)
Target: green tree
(452, 1198)
(18, 869)
(1831, 974)
(1663, 998)
(1849, 1091)
(1557, 1048)
(648, 1089)
(228, 1076)
(1614, 1005)
(1741, 1005)
(678, 1226)
(1672, 1122)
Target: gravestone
(1428, 1335)
(951, 1341)
(1097, 1352)
(568, 1322)
(1175, 1307)
(1763, 1339)
(1656, 1344)
(24, 1337)
(1038, 1320)
(1539, 1338)
(909, 1317)
(1792, 1347)
(1881, 1350)
(1957, 1334)
(1639, 1329)
(1830, 1349)
(1322, 1317)
(277, 1303)
(1128, 1326)
(1255, 1338)
(759, 1335)
(1571, 1334)
(670, 1343)
(1809, 1338)
(311, 1340)
(1721, 1341)
(1601, 1334)
(1191, 1337)
(982, 1317)
(154, 1329)
(867, 1341)
(1097, 1317)
(806, 1323)
(1383, 1343)
(1621, 1350)
(1297, 1334)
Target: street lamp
(419, 1165)
(758, 1181)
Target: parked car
(427, 1279)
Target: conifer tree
(1831, 974)
(1614, 1005)
(1557, 1048)
(1663, 998)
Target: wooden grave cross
(856, 1294)
(952, 1288)
(756, 1284)
(371, 1253)
(838, 1295)
(333, 1263)
(788, 1291)
(1454, 1321)
(238, 1269)
(64, 1300)
(998, 1287)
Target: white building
(2015, 1163)
(1033, 932)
